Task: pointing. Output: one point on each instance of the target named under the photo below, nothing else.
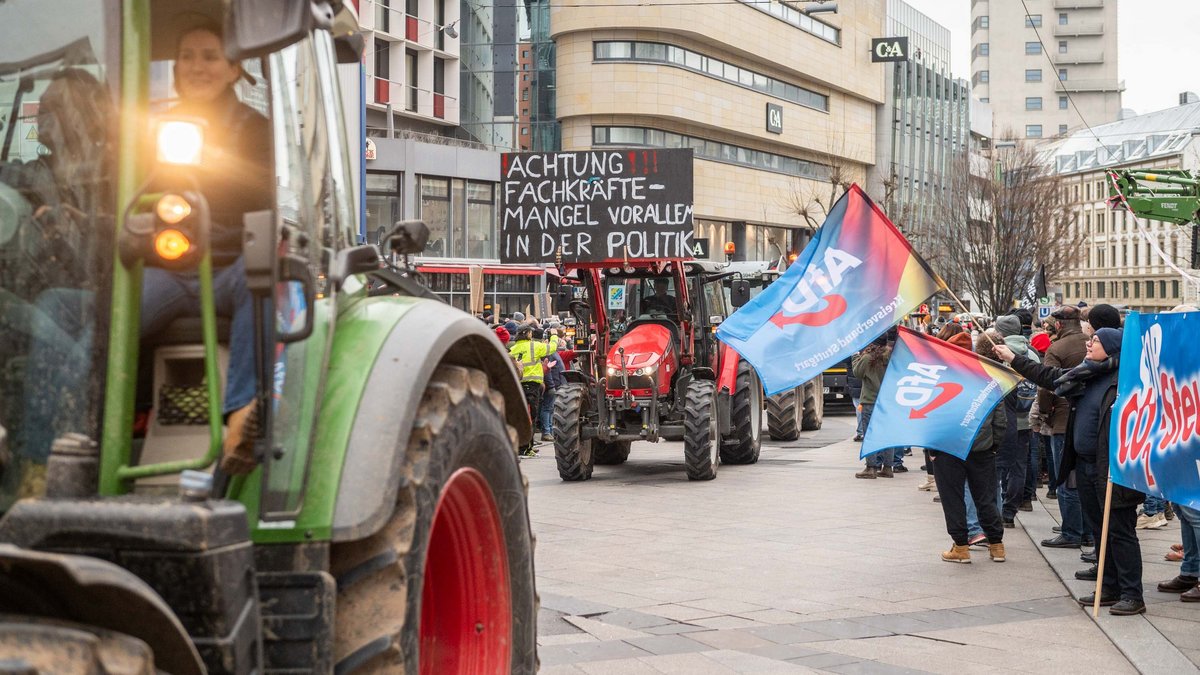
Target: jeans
(953, 476)
(1189, 520)
(973, 527)
(1123, 563)
(1012, 478)
(1154, 506)
(1068, 498)
(166, 296)
(859, 428)
(548, 411)
(882, 458)
(898, 456)
(1034, 467)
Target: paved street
(790, 565)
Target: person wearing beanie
(1092, 388)
(502, 335)
(1104, 316)
(518, 317)
(962, 339)
(1040, 342)
(1013, 460)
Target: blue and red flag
(854, 280)
(1154, 440)
(934, 395)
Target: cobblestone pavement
(790, 565)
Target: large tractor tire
(814, 405)
(701, 437)
(38, 645)
(447, 585)
(611, 452)
(573, 454)
(783, 416)
(746, 410)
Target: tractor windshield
(58, 70)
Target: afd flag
(934, 395)
(854, 280)
(1154, 440)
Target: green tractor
(384, 524)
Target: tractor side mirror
(256, 28)
(407, 237)
(739, 293)
(354, 260)
(349, 47)
(295, 293)
(562, 301)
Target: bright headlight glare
(171, 244)
(172, 209)
(180, 142)
(612, 371)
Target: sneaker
(1128, 608)
(978, 540)
(868, 472)
(957, 554)
(858, 438)
(886, 472)
(1089, 600)
(900, 468)
(547, 437)
(996, 551)
(1170, 512)
(1089, 574)
(1191, 596)
(1153, 522)
(1026, 505)
(528, 451)
(930, 485)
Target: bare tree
(1000, 220)
(812, 200)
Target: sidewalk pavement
(1164, 640)
(789, 565)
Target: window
(984, 76)
(1033, 130)
(1033, 75)
(524, 53)
(1033, 48)
(410, 67)
(984, 49)
(481, 220)
(794, 16)
(1062, 74)
(524, 131)
(1062, 102)
(1062, 129)
(1175, 289)
(983, 22)
(1062, 46)
(685, 58)
(435, 211)
(1149, 289)
(383, 202)
(1033, 20)
(1124, 289)
(985, 100)
(711, 150)
(1062, 18)
(524, 94)
(1100, 290)
(1033, 102)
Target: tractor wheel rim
(466, 601)
(714, 441)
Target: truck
(384, 526)
(649, 367)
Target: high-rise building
(1048, 70)
(922, 128)
(772, 101)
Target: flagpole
(962, 306)
(1103, 550)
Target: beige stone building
(1118, 265)
(770, 99)
(1035, 96)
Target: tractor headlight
(172, 209)
(171, 244)
(612, 371)
(180, 142)
(648, 370)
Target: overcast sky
(1157, 40)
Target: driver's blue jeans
(166, 296)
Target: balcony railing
(1078, 4)
(1079, 57)
(1096, 85)
(1079, 29)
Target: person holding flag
(1091, 387)
(946, 398)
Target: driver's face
(660, 288)
(201, 72)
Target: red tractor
(649, 367)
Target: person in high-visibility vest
(528, 353)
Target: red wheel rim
(466, 604)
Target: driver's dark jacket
(235, 175)
(665, 305)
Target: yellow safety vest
(529, 355)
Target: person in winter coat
(978, 473)
(1091, 389)
(554, 379)
(1066, 351)
(854, 388)
(529, 352)
(869, 365)
(1013, 461)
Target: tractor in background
(649, 367)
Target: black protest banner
(595, 206)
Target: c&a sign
(889, 49)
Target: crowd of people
(1054, 424)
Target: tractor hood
(650, 360)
